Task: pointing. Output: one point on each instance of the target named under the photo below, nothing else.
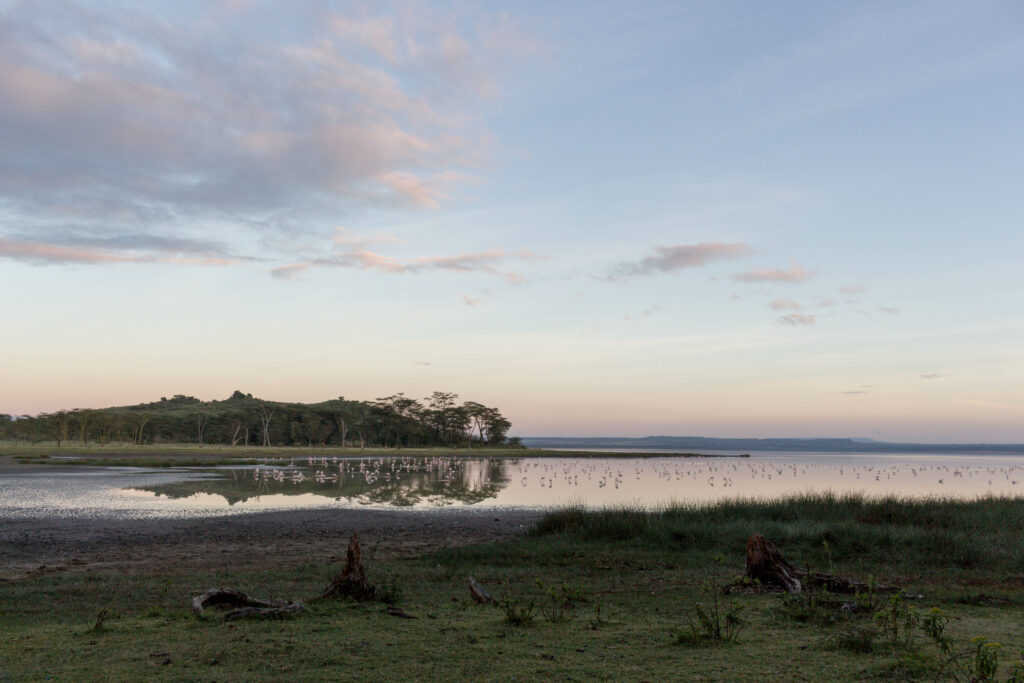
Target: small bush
(518, 611)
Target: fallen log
(477, 592)
(766, 565)
(246, 606)
(842, 584)
(226, 597)
(351, 582)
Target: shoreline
(35, 546)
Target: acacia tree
(477, 413)
(84, 419)
(497, 427)
(265, 414)
(344, 417)
(135, 425)
(202, 419)
(441, 414)
(398, 414)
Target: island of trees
(244, 420)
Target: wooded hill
(243, 419)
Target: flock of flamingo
(657, 477)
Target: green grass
(628, 581)
(890, 536)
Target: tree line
(244, 420)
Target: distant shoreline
(653, 444)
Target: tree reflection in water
(399, 482)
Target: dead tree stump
(766, 564)
(351, 582)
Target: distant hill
(699, 443)
(243, 420)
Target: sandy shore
(167, 546)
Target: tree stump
(351, 582)
(766, 564)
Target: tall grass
(904, 534)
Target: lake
(414, 483)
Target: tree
(497, 427)
(477, 413)
(135, 423)
(202, 419)
(440, 415)
(83, 417)
(398, 415)
(265, 414)
(62, 425)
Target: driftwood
(477, 592)
(766, 565)
(246, 607)
(351, 582)
(226, 597)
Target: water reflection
(425, 483)
(542, 482)
(393, 482)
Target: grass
(890, 537)
(624, 583)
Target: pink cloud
(48, 253)
(794, 274)
(346, 238)
(667, 259)
(43, 253)
(852, 290)
(119, 107)
(784, 305)
(798, 319)
(350, 251)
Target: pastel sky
(605, 218)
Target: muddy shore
(30, 546)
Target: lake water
(494, 483)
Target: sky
(735, 219)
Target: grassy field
(607, 595)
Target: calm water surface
(482, 483)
